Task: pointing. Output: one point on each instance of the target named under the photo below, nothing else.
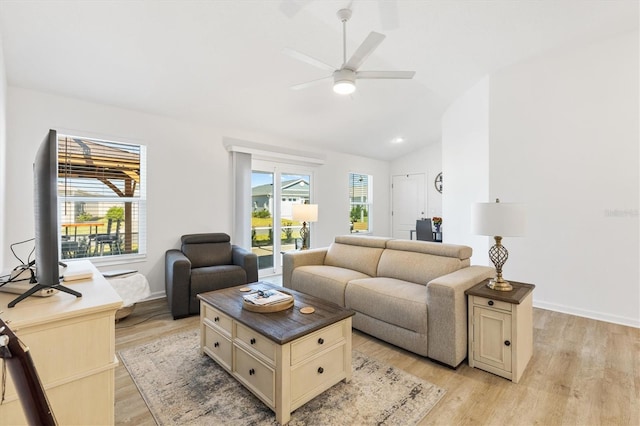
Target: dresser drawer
(322, 371)
(316, 342)
(257, 376)
(256, 341)
(216, 317)
(218, 346)
(491, 303)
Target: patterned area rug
(180, 386)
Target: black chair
(423, 230)
(205, 262)
(112, 240)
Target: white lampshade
(498, 219)
(305, 212)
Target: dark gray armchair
(205, 262)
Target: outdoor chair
(205, 262)
(110, 239)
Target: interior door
(407, 203)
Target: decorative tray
(273, 307)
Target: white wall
(564, 130)
(465, 167)
(189, 172)
(427, 160)
(563, 133)
(3, 156)
(332, 195)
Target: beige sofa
(408, 293)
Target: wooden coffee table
(285, 358)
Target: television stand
(38, 287)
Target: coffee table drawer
(218, 347)
(256, 341)
(312, 377)
(216, 317)
(316, 342)
(258, 377)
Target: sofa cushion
(438, 249)
(358, 258)
(363, 240)
(325, 282)
(416, 267)
(210, 278)
(393, 301)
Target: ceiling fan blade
(367, 47)
(309, 83)
(308, 59)
(385, 74)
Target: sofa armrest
(177, 276)
(247, 260)
(447, 313)
(294, 259)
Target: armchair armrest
(177, 276)
(247, 261)
(294, 259)
(447, 310)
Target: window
(360, 202)
(102, 197)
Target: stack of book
(267, 297)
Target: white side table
(500, 329)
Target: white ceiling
(221, 63)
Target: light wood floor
(583, 372)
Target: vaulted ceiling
(221, 63)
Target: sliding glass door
(275, 188)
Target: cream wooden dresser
(72, 343)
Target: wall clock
(438, 182)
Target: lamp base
(499, 284)
(304, 235)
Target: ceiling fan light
(344, 87)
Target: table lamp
(498, 220)
(305, 213)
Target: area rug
(180, 386)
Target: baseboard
(615, 319)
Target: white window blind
(360, 186)
(102, 197)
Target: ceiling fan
(344, 78)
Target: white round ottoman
(131, 288)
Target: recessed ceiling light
(397, 140)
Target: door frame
(278, 169)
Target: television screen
(45, 203)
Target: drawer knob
(507, 343)
(252, 372)
(216, 319)
(216, 344)
(490, 303)
(252, 341)
(320, 370)
(320, 341)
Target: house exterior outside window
(102, 198)
(360, 189)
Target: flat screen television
(45, 204)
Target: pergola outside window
(101, 189)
